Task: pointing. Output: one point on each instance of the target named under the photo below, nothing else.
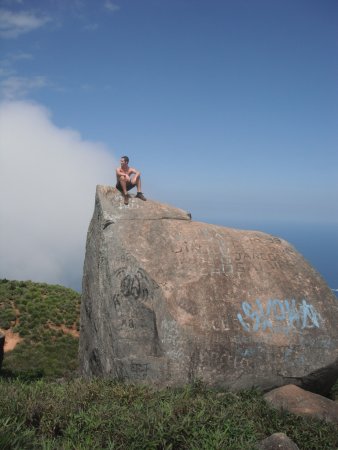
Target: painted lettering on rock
(278, 316)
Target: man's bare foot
(126, 199)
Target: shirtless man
(127, 178)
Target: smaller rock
(277, 441)
(303, 403)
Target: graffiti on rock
(132, 284)
(135, 285)
(278, 316)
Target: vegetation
(101, 414)
(70, 413)
(45, 320)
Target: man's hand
(125, 177)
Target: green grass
(45, 406)
(101, 414)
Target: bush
(39, 306)
(7, 316)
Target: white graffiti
(278, 316)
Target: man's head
(124, 160)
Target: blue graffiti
(278, 316)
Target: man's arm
(120, 173)
(133, 171)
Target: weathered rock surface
(277, 441)
(303, 403)
(168, 300)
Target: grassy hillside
(41, 323)
(60, 411)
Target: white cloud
(6, 64)
(15, 87)
(5, 71)
(21, 56)
(10, 2)
(47, 185)
(91, 27)
(86, 87)
(11, 84)
(13, 24)
(110, 6)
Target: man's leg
(123, 184)
(137, 181)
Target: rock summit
(167, 300)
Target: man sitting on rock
(127, 178)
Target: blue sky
(228, 108)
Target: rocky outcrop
(168, 300)
(303, 403)
(277, 441)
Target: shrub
(39, 306)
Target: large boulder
(303, 403)
(168, 300)
(277, 441)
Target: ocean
(318, 244)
